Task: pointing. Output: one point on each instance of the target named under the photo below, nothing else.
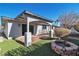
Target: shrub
(76, 27)
(62, 32)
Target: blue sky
(50, 11)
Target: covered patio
(29, 24)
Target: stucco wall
(39, 29)
(14, 30)
(9, 28)
(44, 31)
(32, 19)
(6, 29)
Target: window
(44, 26)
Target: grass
(40, 48)
(8, 45)
(43, 49)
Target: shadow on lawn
(19, 42)
(73, 40)
(47, 38)
(44, 50)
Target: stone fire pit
(64, 47)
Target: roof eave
(27, 12)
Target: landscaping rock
(64, 49)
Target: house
(56, 23)
(25, 22)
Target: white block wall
(15, 30)
(6, 29)
(12, 30)
(9, 28)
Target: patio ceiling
(22, 21)
(39, 23)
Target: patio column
(51, 32)
(27, 27)
(35, 30)
(28, 35)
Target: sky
(49, 10)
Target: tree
(68, 20)
(76, 27)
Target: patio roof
(27, 13)
(39, 23)
(22, 21)
(7, 19)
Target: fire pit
(64, 47)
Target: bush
(76, 27)
(62, 32)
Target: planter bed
(64, 48)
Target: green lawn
(8, 45)
(41, 48)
